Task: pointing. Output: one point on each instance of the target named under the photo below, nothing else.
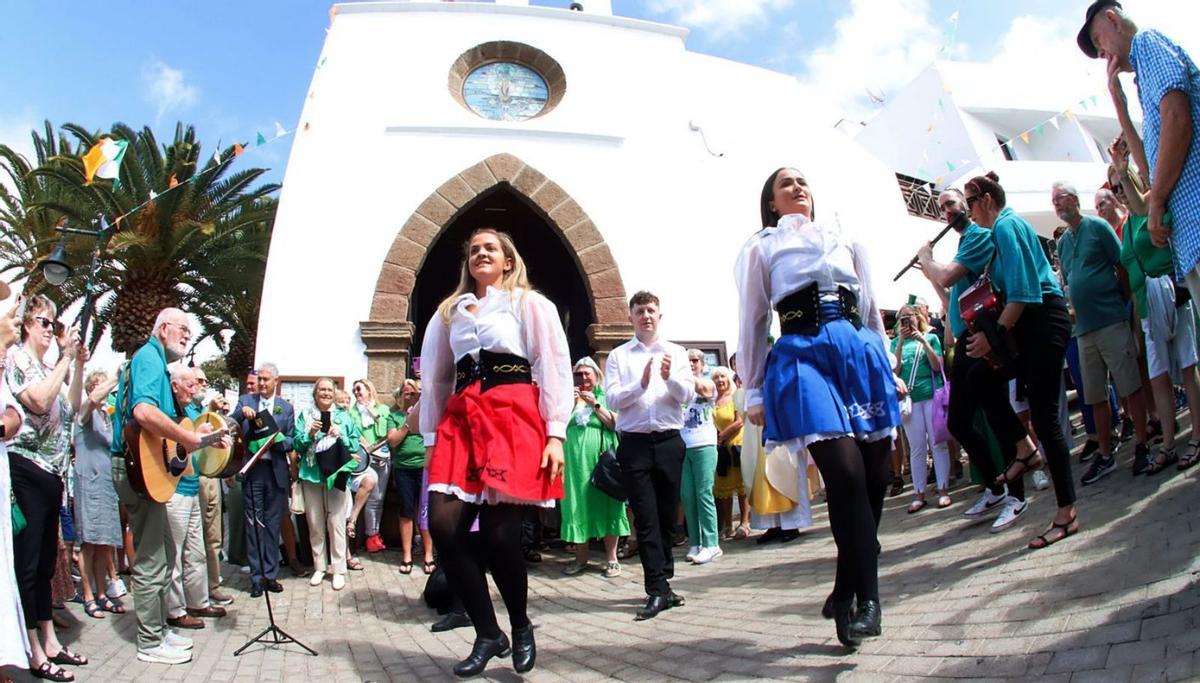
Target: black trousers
(651, 465)
(35, 550)
(975, 386)
(1043, 333)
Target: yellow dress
(728, 484)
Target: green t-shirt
(1021, 271)
(1142, 259)
(975, 249)
(922, 388)
(150, 383)
(410, 454)
(1089, 256)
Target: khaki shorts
(1108, 350)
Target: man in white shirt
(647, 383)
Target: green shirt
(189, 484)
(975, 249)
(149, 382)
(305, 444)
(922, 388)
(1089, 256)
(410, 454)
(1142, 259)
(377, 431)
(1021, 270)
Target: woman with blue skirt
(827, 384)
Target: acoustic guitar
(155, 465)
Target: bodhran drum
(217, 462)
(362, 461)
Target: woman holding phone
(323, 475)
(495, 439)
(918, 354)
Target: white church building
(618, 159)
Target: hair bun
(993, 176)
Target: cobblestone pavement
(1119, 601)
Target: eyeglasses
(46, 323)
(186, 330)
(359, 390)
(971, 199)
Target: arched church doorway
(567, 258)
(552, 270)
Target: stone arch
(388, 333)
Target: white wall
(383, 133)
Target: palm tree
(28, 233)
(172, 247)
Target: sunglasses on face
(972, 199)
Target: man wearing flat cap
(1168, 85)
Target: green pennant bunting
(950, 167)
(1083, 104)
(260, 140)
(1041, 129)
(1093, 100)
(941, 104)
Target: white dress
(14, 639)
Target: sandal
(1192, 457)
(429, 567)
(45, 672)
(916, 506)
(1027, 463)
(66, 657)
(1166, 456)
(93, 610)
(109, 605)
(944, 501)
(353, 564)
(627, 552)
(406, 568)
(1069, 529)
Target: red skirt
(489, 447)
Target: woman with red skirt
(498, 394)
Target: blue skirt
(837, 383)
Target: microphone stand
(278, 635)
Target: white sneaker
(707, 555)
(692, 553)
(1012, 510)
(1040, 481)
(339, 582)
(177, 640)
(164, 654)
(988, 502)
(317, 578)
(116, 589)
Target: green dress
(588, 513)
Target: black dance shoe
(674, 599)
(867, 620)
(772, 534)
(451, 621)
(654, 605)
(827, 608)
(841, 621)
(524, 651)
(484, 650)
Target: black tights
(856, 475)
(450, 521)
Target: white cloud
(879, 46)
(167, 87)
(15, 131)
(717, 17)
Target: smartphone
(326, 421)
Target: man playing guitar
(144, 393)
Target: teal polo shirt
(975, 249)
(150, 383)
(1021, 270)
(1089, 255)
(189, 484)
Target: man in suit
(265, 489)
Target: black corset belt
(492, 370)
(802, 312)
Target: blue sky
(232, 68)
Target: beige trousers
(185, 556)
(326, 514)
(210, 505)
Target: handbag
(607, 477)
(906, 404)
(18, 517)
(296, 500)
(941, 410)
(980, 306)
